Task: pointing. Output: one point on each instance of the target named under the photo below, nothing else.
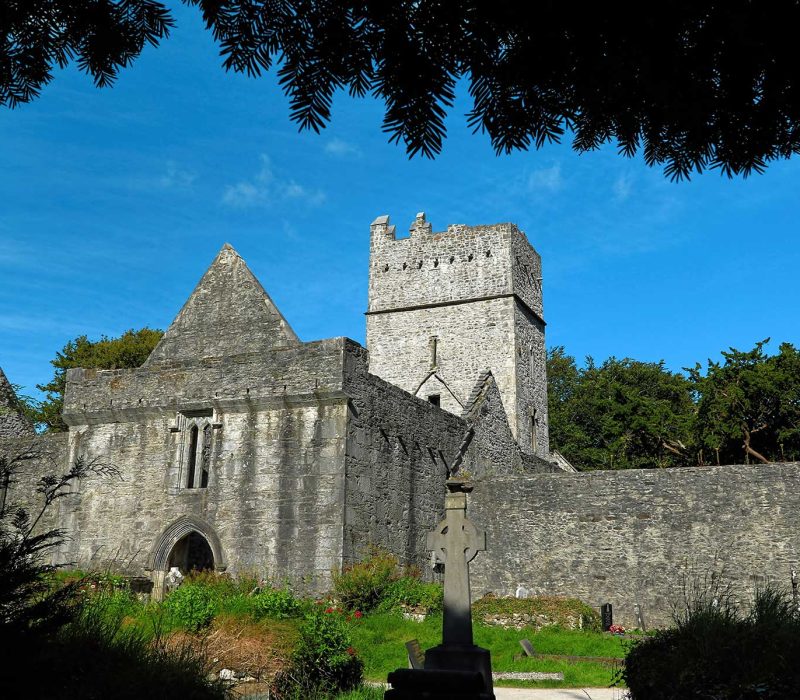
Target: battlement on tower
(446, 306)
(463, 263)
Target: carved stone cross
(456, 541)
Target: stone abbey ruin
(243, 449)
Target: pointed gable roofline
(228, 313)
(478, 394)
(13, 422)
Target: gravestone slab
(416, 657)
(607, 616)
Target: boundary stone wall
(634, 536)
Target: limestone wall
(269, 378)
(470, 338)
(30, 458)
(472, 288)
(628, 537)
(531, 382)
(426, 268)
(398, 451)
(276, 468)
(12, 421)
(273, 498)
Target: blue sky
(113, 203)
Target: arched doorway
(191, 553)
(188, 543)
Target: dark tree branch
(691, 85)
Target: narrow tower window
(192, 461)
(434, 347)
(533, 430)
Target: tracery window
(195, 447)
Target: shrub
(192, 606)
(323, 661)
(275, 603)
(114, 604)
(538, 611)
(362, 586)
(715, 651)
(410, 592)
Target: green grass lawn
(380, 640)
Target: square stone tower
(445, 307)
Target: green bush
(192, 605)
(410, 592)
(541, 610)
(275, 603)
(113, 604)
(323, 661)
(716, 652)
(362, 586)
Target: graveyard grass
(380, 641)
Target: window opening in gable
(205, 460)
(436, 400)
(192, 461)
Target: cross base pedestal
(462, 658)
(435, 684)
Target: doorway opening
(191, 553)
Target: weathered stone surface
(398, 450)
(228, 313)
(628, 537)
(30, 458)
(13, 422)
(477, 291)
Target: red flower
(351, 651)
(328, 610)
(358, 614)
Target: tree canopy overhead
(690, 84)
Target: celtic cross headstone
(456, 541)
(455, 668)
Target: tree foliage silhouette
(690, 84)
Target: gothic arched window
(195, 449)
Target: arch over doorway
(188, 528)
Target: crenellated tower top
(445, 306)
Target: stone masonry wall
(493, 450)
(627, 537)
(31, 458)
(276, 481)
(105, 395)
(459, 286)
(398, 452)
(12, 421)
(470, 339)
(531, 382)
(273, 498)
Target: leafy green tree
(692, 85)
(749, 406)
(621, 414)
(129, 350)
